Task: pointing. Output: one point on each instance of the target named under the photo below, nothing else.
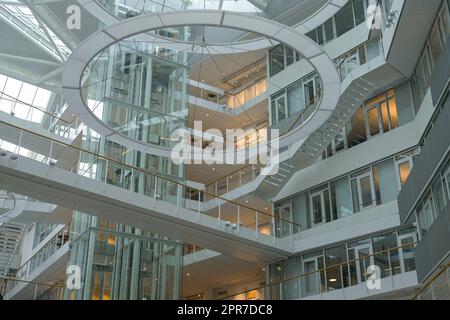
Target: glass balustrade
(318, 279)
(359, 56)
(41, 256)
(95, 166)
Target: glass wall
(429, 58)
(295, 98)
(355, 192)
(350, 16)
(375, 117)
(123, 263)
(435, 199)
(344, 265)
(280, 57)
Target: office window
(312, 35)
(360, 11)
(278, 108)
(444, 23)
(344, 19)
(314, 282)
(404, 169)
(389, 259)
(337, 275)
(276, 56)
(385, 181)
(446, 175)
(381, 114)
(363, 192)
(320, 205)
(439, 196)
(296, 102)
(360, 254)
(341, 198)
(435, 43)
(329, 30)
(300, 205)
(356, 129)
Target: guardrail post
(106, 171)
(256, 225)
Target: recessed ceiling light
(266, 208)
(263, 269)
(246, 201)
(207, 114)
(214, 169)
(332, 280)
(188, 274)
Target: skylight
(22, 18)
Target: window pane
(296, 102)
(301, 211)
(344, 19)
(276, 60)
(281, 109)
(384, 176)
(435, 43)
(373, 50)
(309, 92)
(438, 193)
(386, 255)
(360, 13)
(341, 198)
(329, 32)
(320, 35)
(312, 35)
(289, 56)
(317, 209)
(385, 116)
(356, 129)
(366, 192)
(404, 170)
(445, 23)
(373, 121)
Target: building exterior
(121, 181)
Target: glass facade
(139, 90)
(377, 116)
(342, 265)
(294, 99)
(435, 199)
(355, 192)
(123, 263)
(429, 58)
(351, 15)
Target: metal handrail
(61, 232)
(138, 169)
(430, 281)
(320, 270)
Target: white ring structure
(327, 11)
(91, 47)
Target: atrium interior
(224, 150)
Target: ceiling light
(332, 280)
(207, 114)
(263, 269)
(188, 274)
(266, 208)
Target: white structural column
(80, 58)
